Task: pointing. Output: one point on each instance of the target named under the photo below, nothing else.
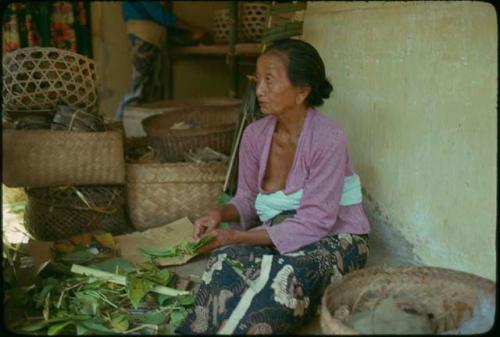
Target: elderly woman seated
(296, 176)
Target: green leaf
(120, 322)
(185, 300)
(89, 305)
(137, 288)
(162, 298)
(34, 326)
(162, 252)
(161, 277)
(58, 327)
(152, 317)
(81, 329)
(96, 326)
(42, 324)
(177, 316)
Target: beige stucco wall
(193, 76)
(415, 91)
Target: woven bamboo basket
(134, 114)
(53, 214)
(43, 158)
(445, 296)
(221, 27)
(161, 193)
(253, 20)
(209, 126)
(37, 78)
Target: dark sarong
(256, 290)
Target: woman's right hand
(206, 223)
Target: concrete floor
(377, 257)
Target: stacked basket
(171, 186)
(59, 157)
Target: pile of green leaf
(88, 305)
(181, 249)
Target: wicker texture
(161, 193)
(134, 114)
(37, 78)
(57, 213)
(253, 20)
(211, 126)
(42, 158)
(446, 296)
(221, 27)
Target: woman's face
(275, 92)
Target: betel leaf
(182, 248)
(81, 329)
(177, 316)
(96, 326)
(161, 277)
(162, 252)
(137, 288)
(58, 327)
(152, 317)
(185, 300)
(111, 265)
(38, 325)
(89, 305)
(120, 322)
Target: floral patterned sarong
(256, 290)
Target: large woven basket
(445, 296)
(134, 114)
(212, 126)
(37, 78)
(42, 158)
(57, 213)
(161, 193)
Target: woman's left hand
(222, 237)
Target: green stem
(119, 279)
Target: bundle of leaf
(98, 302)
(182, 248)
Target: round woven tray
(211, 126)
(37, 78)
(445, 296)
(57, 213)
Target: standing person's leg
(295, 284)
(229, 273)
(146, 76)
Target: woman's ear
(302, 94)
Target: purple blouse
(320, 165)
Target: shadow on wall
(387, 243)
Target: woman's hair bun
(325, 89)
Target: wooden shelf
(244, 49)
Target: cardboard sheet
(158, 237)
